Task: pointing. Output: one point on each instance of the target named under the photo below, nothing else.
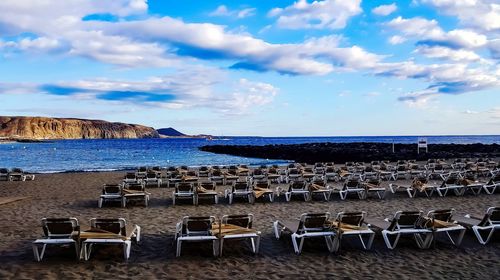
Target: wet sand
(75, 195)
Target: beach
(75, 195)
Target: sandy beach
(75, 195)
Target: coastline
(359, 151)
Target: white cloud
(396, 40)
(429, 32)
(482, 14)
(385, 10)
(223, 11)
(327, 14)
(190, 88)
(447, 53)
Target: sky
(261, 68)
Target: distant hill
(171, 132)
(28, 128)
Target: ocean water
(119, 154)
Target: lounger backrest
(442, 215)
(59, 227)
(216, 173)
(151, 175)
(313, 221)
(111, 189)
(494, 215)
(197, 225)
(351, 183)
(135, 187)
(293, 171)
(351, 218)
(374, 181)
(496, 178)
(241, 186)
(272, 170)
(184, 187)
(406, 219)
(116, 226)
(130, 175)
(17, 170)
(264, 185)
(238, 220)
(171, 169)
(4, 171)
(297, 185)
(330, 170)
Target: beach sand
(75, 195)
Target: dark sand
(75, 194)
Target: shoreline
(355, 151)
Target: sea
(124, 154)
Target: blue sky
(270, 68)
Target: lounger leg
(217, 246)
(385, 235)
(126, 250)
(480, 238)
(370, 241)
(216, 199)
(124, 202)
(287, 196)
(173, 198)
(77, 249)
(277, 232)
(99, 202)
(138, 233)
(179, 244)
(256, 244)
(343, 195)
(35, 252)
(295, 245)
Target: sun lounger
(236, 227)
(352, 224)
(308, 226)
(206, 189)
(492, 184)
(320, 187)
(374, 186)
(153, 178)
(440, 221)
(263, 189)
(135, 192)
(483, 227)
(403, 223)
(109, 232)
(4, 174)
(130, 177)
(217, 177)
(195, 229)
(452, 181)
(297, 188)
(111, 192)
(352, 185)
(184, 190)
(331, 175)
(17, 174)
(60, 231)
(240, 189)
(231, 176)
(418, 185)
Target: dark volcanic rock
(364, 151)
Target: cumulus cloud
(396, 40)
(327, 14)
(385, 10)
(481, 14)
(447, 53)
(428, 32)
(223, 11)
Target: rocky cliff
(63, 128)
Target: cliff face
(61, 128)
